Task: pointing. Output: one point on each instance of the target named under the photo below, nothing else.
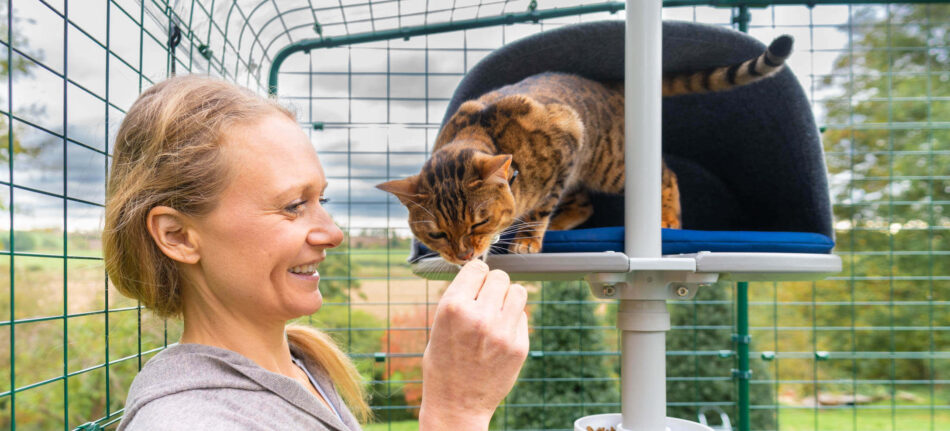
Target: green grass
(804, 419)
(379, 263)
(394, 426)
(848, 419)
(879, 415)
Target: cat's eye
(479, 223)
(437, 235)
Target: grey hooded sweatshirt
(199, 387)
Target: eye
(296, 207)
(324, 201)
(480, 223)
(437, 235)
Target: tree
(695, 371)
(888, 174)
(20, 66)
(572, 378)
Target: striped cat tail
(729, 77)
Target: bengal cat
(522, 158)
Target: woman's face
(260, 247)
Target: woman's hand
(479, 341)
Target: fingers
(521, 334)
(494, 289)
(468, 281)
(515, 301)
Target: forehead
(270, 155)
(447, 167)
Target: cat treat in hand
(520, 160)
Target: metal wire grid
(402, 136)
(70, 75)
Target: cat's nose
(465, 255)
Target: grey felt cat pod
(749, 160)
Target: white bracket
(652, 279)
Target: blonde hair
(166, 153)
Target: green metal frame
(529, 16)
(219, 49)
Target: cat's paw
(525, 246)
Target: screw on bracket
(682, 291)
(205, 51)
(741, 375)
(610, 290)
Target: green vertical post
(742, 318)
(742, 340)
(12, 238)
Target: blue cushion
(676, 241)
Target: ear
(172, 234)
(494, 169)
(404, 189)
(517, 104)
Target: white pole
(643, 368)
(643, 108)
(643, 324)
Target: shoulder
(219, 409)
(188, 367)
(185, 379)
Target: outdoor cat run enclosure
(864, 348)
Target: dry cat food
(590, 428)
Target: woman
(214, 215)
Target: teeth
(310, 269)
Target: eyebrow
(301, 188)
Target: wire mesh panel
(864, 350)
(71, 344)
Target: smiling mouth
(308, 269)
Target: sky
(385, 136)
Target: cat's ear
(404, 189)
(493, 169)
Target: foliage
(555, 390)
(405, 338)
(702, 328)
(10, 135)
(889, 181)
(334, 285)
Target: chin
(305, 306)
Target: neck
(207, 321)
(475, 140)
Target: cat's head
(459, 202)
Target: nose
(324, 232)
(465, 254)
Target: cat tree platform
(731, 256)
